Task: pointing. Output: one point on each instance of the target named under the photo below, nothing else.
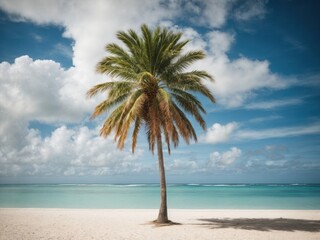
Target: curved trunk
(163, 211)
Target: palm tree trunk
(163, 211)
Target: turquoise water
(186, 196)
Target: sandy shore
(132, 224)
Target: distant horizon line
(173, 183)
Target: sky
(264, 56)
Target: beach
(52, 223)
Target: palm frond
(135, 133)
(183, 62)
(151, 87)
(107, 104)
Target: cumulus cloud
(222, 160)
(236, 80)
(219, 42)
(39, 90)
(68, 152)
(218, 133)
(36, 90)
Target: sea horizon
(168, 184)
(290, 196)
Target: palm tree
(151, 87)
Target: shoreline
(62, 223)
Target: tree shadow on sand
(263, 224)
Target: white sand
(24, 224)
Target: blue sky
(264, 55)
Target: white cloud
(250, 9)
(273, 104)
(34, 90)
(219, 42)
(212, 13)
(99, 20)
(279, 132)
(41, 91)
(215, 13)
(224, 159)
(236, 80)
(232, 131)
(68, 152)
(180, 166)
(218, 133)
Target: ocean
(180, 196)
